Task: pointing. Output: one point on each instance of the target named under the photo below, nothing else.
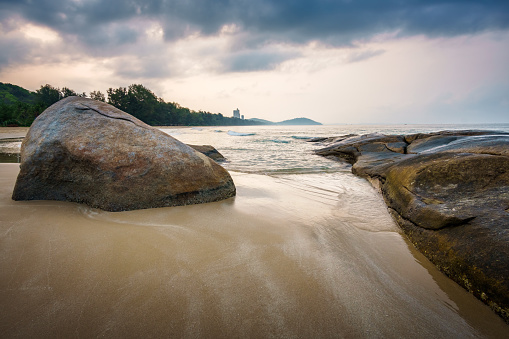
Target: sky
(334, 61)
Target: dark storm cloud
(13, 50)
(103, 25)
(281, 20)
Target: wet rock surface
(89, 152)
(449, 192)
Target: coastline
(448, 191)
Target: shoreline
(13, 132)
(426, 182)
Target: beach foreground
(449, 192)
(285, 258)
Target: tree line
(20, 107)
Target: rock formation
(86, 151)
(209, 151)
(449, 192)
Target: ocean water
(283, 149)
(305, 250)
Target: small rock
(209, 151)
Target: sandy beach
(282, 259)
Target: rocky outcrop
(209, 151)
(89, 152)
(449, 192)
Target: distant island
(291, 122)
(20, 107)
(299, 121)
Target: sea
(277, 150)
(305, 250)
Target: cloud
(13, 50)
(256, 60)
(364, 55)
(252, 31)
(297, 21)
(21, 44)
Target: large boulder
(449, 192)
(87, 151)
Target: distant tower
(236, 113)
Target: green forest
(20, 107)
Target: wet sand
(287, 258)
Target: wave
(302, 170)
(171, 132)
(300, 137)
(279, 141)
(237, 134)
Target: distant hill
(299, 121)
(296, 121)
(10, 94)
(262, 121)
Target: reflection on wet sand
(9, 158)
(286, 258)
(9, 148)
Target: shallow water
(277, 150)
(292, 256)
